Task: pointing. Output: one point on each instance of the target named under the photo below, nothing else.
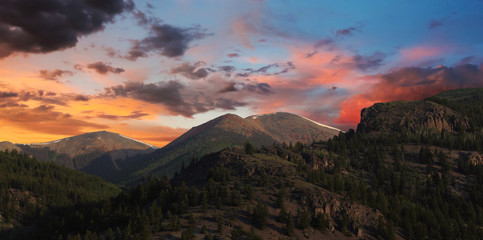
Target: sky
(151, 70)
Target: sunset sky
(153, 69)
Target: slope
(29, 187)
(226, 131)
(100, 153)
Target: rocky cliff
(413, 116)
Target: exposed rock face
(413, 116)
(475, 159)
(336, 206)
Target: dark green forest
(415, 204)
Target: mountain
(100, 153)
(453, 117)
(227, 131)
(384, 181)
(10, 146)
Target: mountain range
(121, 159)
(411, 170)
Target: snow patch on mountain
(152, 146)
(320, 124)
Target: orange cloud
(409, 84)
(349, 115)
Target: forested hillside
(30, 189)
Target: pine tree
(290, 225)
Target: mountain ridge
(227, 131)
(101, 153)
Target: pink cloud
(418, 53)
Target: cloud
(228, 104)
(227, 68)
(133, 115)
(261, 88)
(12, 104)
(42, 97)
(44, 26)
(8, 94)
(43, 119)
(233, 55)
(82, 98)
(370, 62)
(165, 93)
(44, 108)
(410, 83)
(166, 40)
(193, 72)
(434, 24)
(104, 68)
(345, 31)
(325, 43)
(53, 75)
(420, 53)
(466, 60)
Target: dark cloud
(434, 24)
(229, 87)
(53, 75)
(371, 62)
(104, 68)
(43, 26)
(41, 96)
(232, 55)
(264, 88)
(82, 98)
(133, 115)
(336, 59)
(8, 94)
(165, 93)
(325, 43)
(78, 67)
(268, 70)
(227, 68)
(244, 75)
(111, 52)
(261, 88)
(228, 104)
(166, 40)
(143, 20)
(191, 71)
(44, 108)
(466, 60)
(345, 31)
(12, 104)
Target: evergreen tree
(290, 225)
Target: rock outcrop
(413, 116)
